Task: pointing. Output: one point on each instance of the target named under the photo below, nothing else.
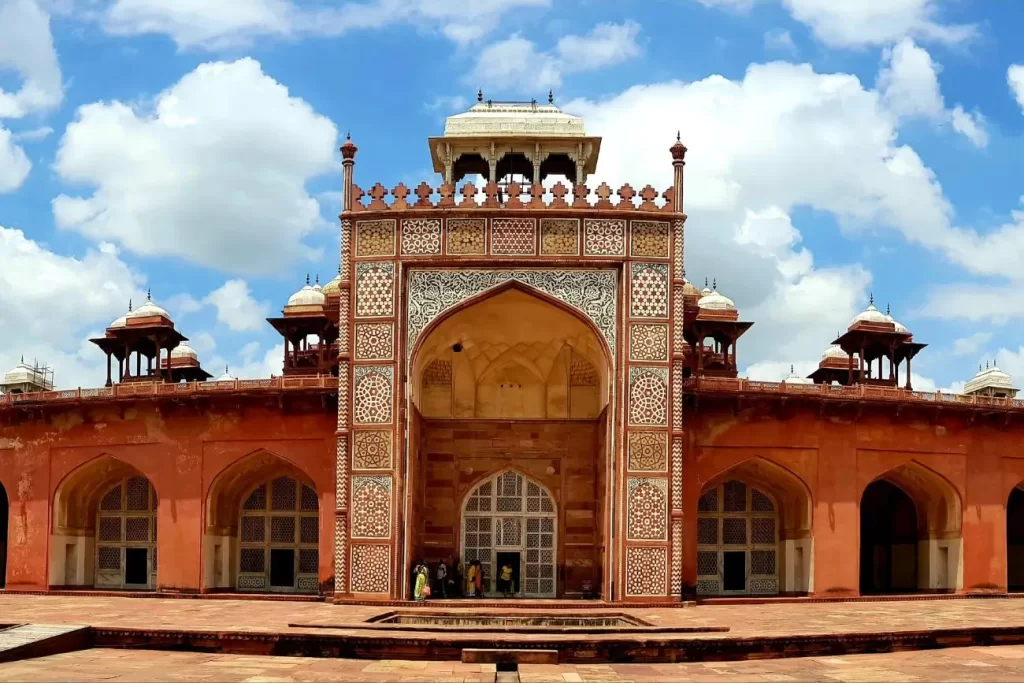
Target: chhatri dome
(184, 351)
(148, 309)
(334, 286)
(991, 381)
(870, 315)
(307, 296)
(794, 378)
(226, 377)
(713, 300)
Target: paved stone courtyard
(1004, 663)
(744, 621)
(996, 663)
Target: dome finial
(129, 305)
(705, 282)
(479, 94)
(888, 309)
(307, 279)
(339, 269)
(714, 284)
(149, 294)
(986, 365)
(348, 136)
(871, 300)
(791, 370)
(318, 278)
(551, 96)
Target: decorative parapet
(529, 197)
(142, 389)
(714, 385)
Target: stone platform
(326, 630)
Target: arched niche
(5, 516)
(755, 517)
(234, 501)
(76, 540)
(910, 537)
(482, 361)
(1015, 540)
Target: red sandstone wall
(560, 454)
(837, 456)
(180, 449)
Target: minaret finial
(480, 95)
(149, 294)
(679, 136)
(791, 370)
(348, 135)
(551, 96)
(339, 269)
(986, 365)
(705, 282)
(307, 279)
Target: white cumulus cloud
(517, 63)
(213, 172)
(237, 308)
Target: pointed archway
(754, 532)
(509, 520)
(104, 531)
(5, 515)
(1015, 540)
(262, 528)
(488, 393)
(910, 533)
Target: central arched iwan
(511, 379)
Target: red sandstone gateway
(513, 376)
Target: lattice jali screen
(126, 522)
(736, 518)
(508, 513)
(280, 515)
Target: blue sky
(836, 150)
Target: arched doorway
(104, 531)
(509, 519)
(910, 538)
(754, 532)
(488, 393)
(262, 528)
(278, 539)
(738, 541)
(1015, 541)
(4, 518)
(126, 536)
(888, 540)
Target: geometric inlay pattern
(421, 236)
(649, 291)
(339, 554)
(645, 571)
(375, 296)
(371, 450)
(648, 451)
(677, 556)
(677, 474)
(371, 507)
(466, 235)
(677, 393)
(677, 233)
(341, 474)
(375, 238)
(559, 236)
(648, 396)
(649, 238)
(648, 341)
(513, 236)
(373, 394)
(370, 568)
(604, 237)
(375, 341)
(647, 509)
(432, 292)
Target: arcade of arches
(493, 391)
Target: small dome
(993, 377)
(870, 315)
(120, 322)
(316, 286)
(20, 374)
(334, 286)
(898, 326)
(307, 296)
(226, 377)
(794, 378)
(184, 351)
(714, 301)
(147, 310)
(834, 351)
(690, 289)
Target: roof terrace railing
(513, 196)
(143, 389)
(859, 391)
